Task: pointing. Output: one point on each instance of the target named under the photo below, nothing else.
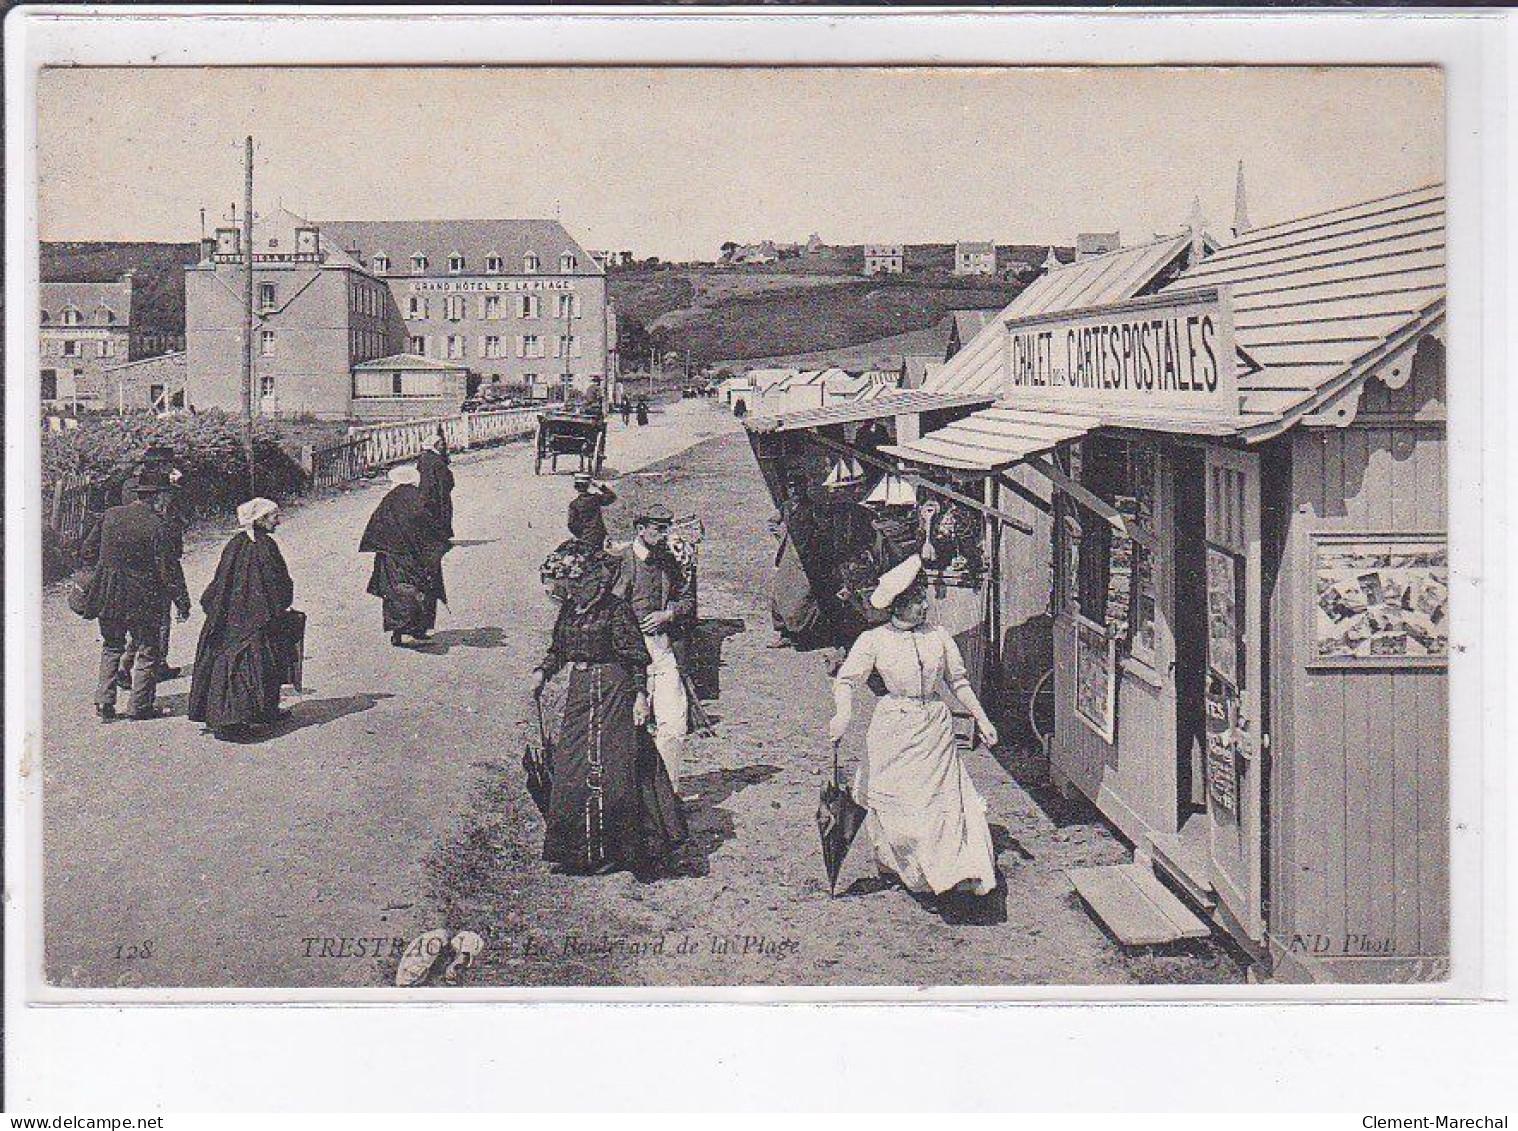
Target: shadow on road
(314, 713)
(444, 641)
(712, 826)
(704, 652)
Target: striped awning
(853, 412)
(1007, 433)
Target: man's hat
(582, 479)
(654, 513)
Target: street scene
(1020, 580)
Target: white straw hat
(895, 581)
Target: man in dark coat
(244, 651)
(437, 483)
(157, 468)
(642, 411)
(586, 523)
(138, 575)
(408, 547)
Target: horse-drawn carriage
(562, 433)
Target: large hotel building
(510, 304)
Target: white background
(1388, 1058)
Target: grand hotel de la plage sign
(491, 285)
(1162, 352)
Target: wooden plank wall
(1024, 578)
(1359, 844)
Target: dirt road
(394, 804)
(174, 859)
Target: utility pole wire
(247, 336)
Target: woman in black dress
(612, 806)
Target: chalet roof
(476, 240)
(893, 403)
(1318, 299)
(1113, 277)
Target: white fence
(371, 446)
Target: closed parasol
(537, 763)
(839, 817)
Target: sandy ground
(393, 802)
(748, 903)
(172, 859)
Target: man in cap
(136, 549)
(651, 580)
(586, 523)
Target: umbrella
(537, 764)
(838, 819)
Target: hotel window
(417, 344)
(455, 345)
(492, 306)
(416, 307)
(107, 347)
(106, 314)
(382, 263)
(569, 306)
(72, 317)
(266, 343)
(265, 296)
(493, 265)
(453, 308)
(266, 385)
(531, 264)
(567, 345)
(568, 264)
(527, 306)
(455, 264)
(70, 347)
(418, 264)
(529, 345)
(492, 345)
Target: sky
(672, 162)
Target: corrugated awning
(1008, 433)
(853, 412)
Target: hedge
(207, 447)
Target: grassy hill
(159, 284)
(812, 303)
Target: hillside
(808, 304)
(160, 274)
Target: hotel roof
(476, 240)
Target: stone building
(85, 329)
(519, 303)
(884, 258)
(975, 257)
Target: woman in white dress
(926, 819)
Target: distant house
(85, 328)
(814, 244)
(884, 258)
(973, 257)
(152, 383)
(1088, 244)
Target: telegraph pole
(247, 324)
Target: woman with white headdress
(926, 820)
(408, 543)
(239, 662)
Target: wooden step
(1135, 906)
(1185, 862)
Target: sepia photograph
(707, 527)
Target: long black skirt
(237, 685)
(612, 805)
(405, 588)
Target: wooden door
(1232, 763)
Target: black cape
(404, 528)
(437, 488)
(237, 662)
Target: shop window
(1108, 578)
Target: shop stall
(1248, 580)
